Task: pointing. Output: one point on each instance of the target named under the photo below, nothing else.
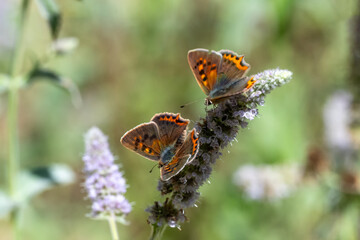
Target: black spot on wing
(146, 136)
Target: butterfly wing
(190, 146)
(173, 167)
(230, 87)
(205, 66)
(233, 65)
(185, 154)
(143, 139)
(231, 80)
(171, 127)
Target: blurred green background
(131, 63)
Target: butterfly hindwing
(144, 139)
(190, 146)
(173, 167)
(171, 127)
(205, 66)
(184, 155)
(231, 87)
(233, 65)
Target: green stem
(113, 228)
(16, 63)
(157, 232)
(13, 164)
(13, 158)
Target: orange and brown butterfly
(165, 140)
(220, 74)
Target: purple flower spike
(104, 183)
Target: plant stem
(13, 164)
(157, 232)
(113, 229)
(13, 158)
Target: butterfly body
(167, 154)
(220, 74)
(164, 140)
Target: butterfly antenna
(182, 106)
(152, 168)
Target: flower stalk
(157, 231)
(113, 228)
(13, 102)
(13, 158)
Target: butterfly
(220, 74)
(164, 140)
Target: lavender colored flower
(337, 119)
(267, 182)
(104, 183)
(217, 130)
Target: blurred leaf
(46, 74)
(50, 11)
(59, 174)
(4, 83)
(35, 181)
(6, 205)
(64, 45)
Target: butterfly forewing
(171, 127)
(205, 66)
(144, 139)
(233, 65)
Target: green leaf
(35, 181)
(50, 11)
(46, 74)
(6, 205)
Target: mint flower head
(104, 183)
(219, 128)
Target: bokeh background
(131, 63)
